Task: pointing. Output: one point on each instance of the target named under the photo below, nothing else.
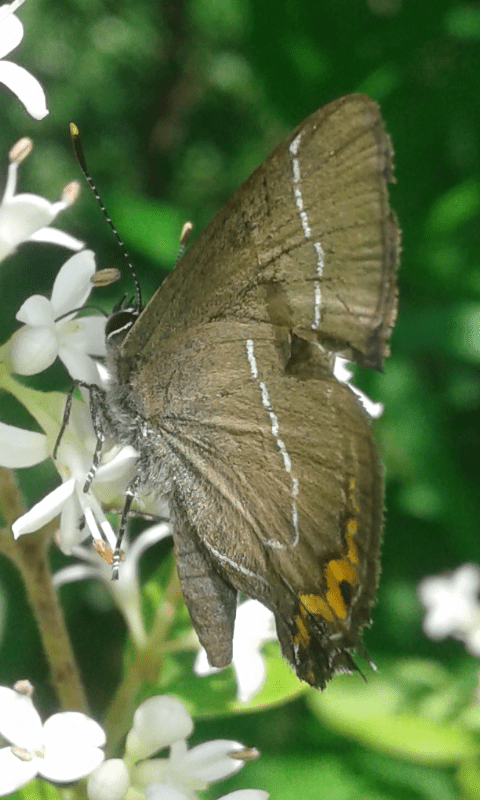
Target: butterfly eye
(119, 324)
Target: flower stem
(29, 554)
(146, 667)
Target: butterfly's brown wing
(307, 243)
(275, 487)
(272, 473)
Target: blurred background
(177, 103)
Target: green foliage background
(177, 102)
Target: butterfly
(224, 385)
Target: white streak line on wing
(307, 231)
(287, 462)
(234, 564)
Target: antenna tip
(185, 234)
(184, 237)
(73, 130)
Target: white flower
(126, 590)
(452, 606)
(65, 748)
(254, 625)
(157, 723)
(158, 791)
(21, 82)
(51, 328)
(27, 217)
(80, 512)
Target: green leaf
(454, 207)
(308, 776)
(468, 776)
(215, 695)
(376, 716)
(37, 790)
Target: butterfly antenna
(183, 241)
(77, 147)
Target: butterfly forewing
(307, 242)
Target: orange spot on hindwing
(340, 576)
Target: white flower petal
(33, 349)
(211, 761)
(66, 764)
(11, 182)
(110, 781)
(73, 334)
(253, 627)
(78, 729)
(79, 365)
(201, 666)
(70, 533)
(156, 770)
(119, 466)
(341, 371)
(36, 310)
(157, 722)
(28, 90)
(56, 236)
(147, 538)
(344, 375)
(75, 572)
(95, 517)
(44, 511)
(20, 722)
(94, 335)
(73, 285)
(14, 773)
(21, 448)
(11, 34)
(472, 641)
(246, 794)
(250, 673)
(81, 425)
(451, 602)
(21, 216)
(72, 746)
(162, 791)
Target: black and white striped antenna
(77, 147)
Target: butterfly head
(120, 322)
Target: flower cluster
(158, 723)
(452, 606)
(69, 745)
(64, 748)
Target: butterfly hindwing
(276, 490)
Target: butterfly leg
(130, 493)
(97, 413)
(66, 417)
